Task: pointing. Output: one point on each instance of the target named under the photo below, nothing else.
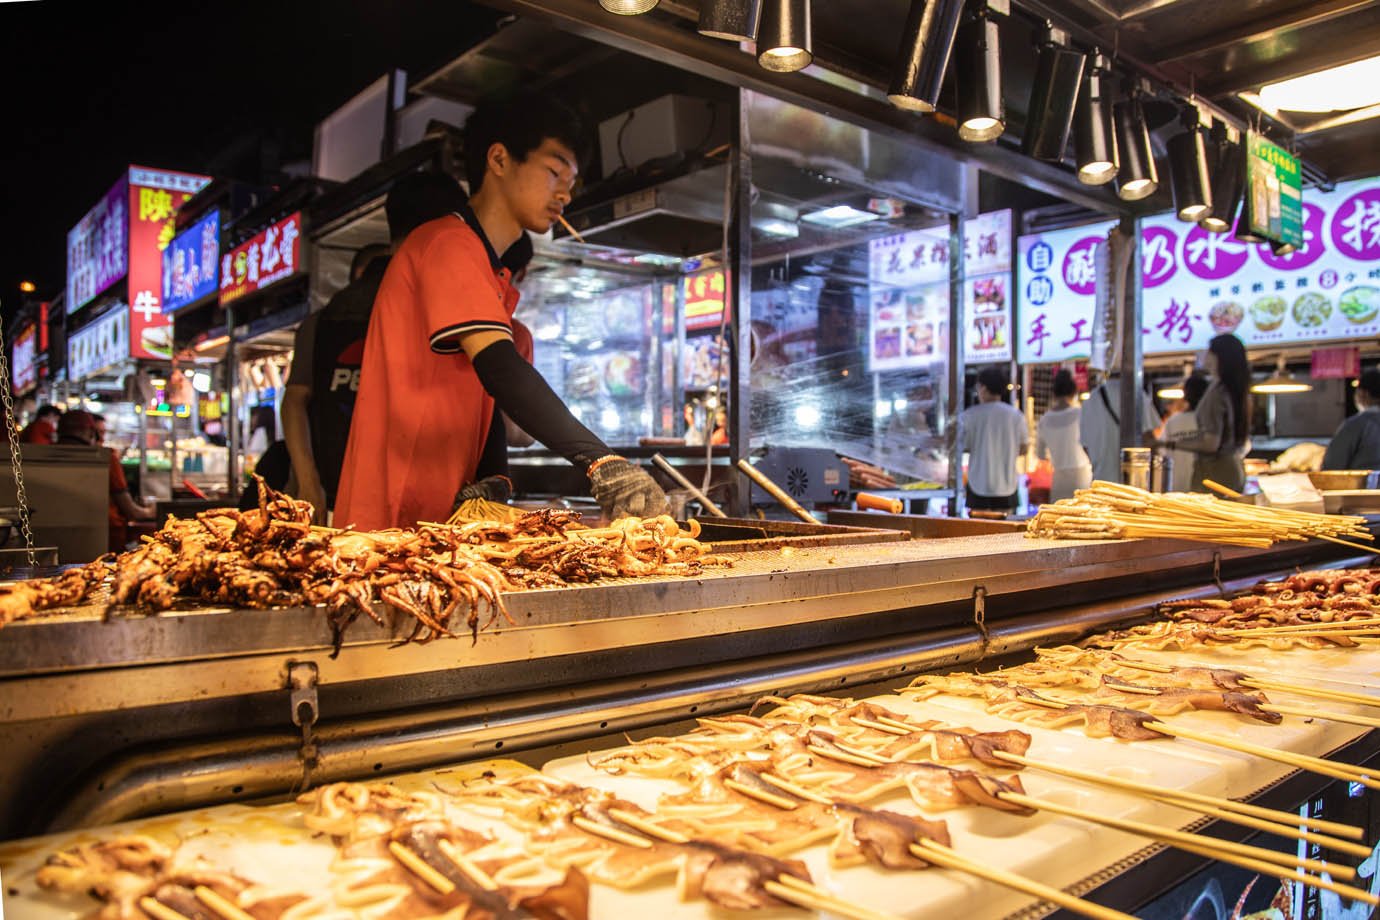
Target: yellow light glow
(28, 287)
(1170, 393)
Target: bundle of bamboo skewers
(1109, 511)
(481, 509)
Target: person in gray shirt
(1356, 445)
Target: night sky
(91, 88)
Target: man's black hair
(420, 197)
(1195, 385)
(1064, 384)
(1370, 382)
(364, 256)
(48, 410)
(994, 379)
(520, 123)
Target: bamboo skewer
(1194, 799)
(1336, 696)
(687, 485)
(786, 887)
(467, 866)
(159, 911)
(610, 833)
(1321, 627)
(775, 491)
(947, 858)
(569, 229)
(225, 909)
(1368, 721)
(1225, 850)
(1293, 875)
(421, 868)
(812, 898)
(1319, 765)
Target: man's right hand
(624, 489)
(315, 493)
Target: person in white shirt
(1100, 428)
(994, 434)
(1182, 424)
(1056, 437)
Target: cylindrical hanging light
(1227, 167)
(1137, 176)
(1094, 138)
(1058, 75)
(628, 7)
(733, 20)
(924, 54)
(783, 36)
(981, 114)
(1188, 171)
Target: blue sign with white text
(190, 263)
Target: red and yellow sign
(271, 255)
(704, 299)
(154, 197)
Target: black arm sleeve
(521, 392)
(494, 460)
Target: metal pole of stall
(957, 334)
(739, 301)
(1132, 354)
(232, 425)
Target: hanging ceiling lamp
(1137, 175)
(733, 20)
(783, 36)
(926, 43)
(1094, 138)
(1227, 166)
(628, 7)
(1188, 171)
(981, 114)
(1058, 75)
(1281, 381)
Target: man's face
(538, 188)
(100, 432)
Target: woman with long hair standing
(1218, 442)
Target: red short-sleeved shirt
(422, 415)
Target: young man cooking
(439, 352)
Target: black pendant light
(1058, 76)
(1189, 177)
(1137, 176)
(981, 114)
(783, 36)
(1094, 138)
(1227, 166)
(628, 7)
(924, 54)
(733, 20)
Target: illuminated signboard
(124, 236)
(98, 247)
(99, 344)
(24, 364)
(1197, 284)
(704, 295)
(271, 255)
(909, 285)
(190, 264)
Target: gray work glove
(493, 488)
(624, 489)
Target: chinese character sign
(1197, 284)
(190, 264)
(1055, 299)
(987, 243)
(270, 256)
(24, 365)
(704, 294)
(99, 344)
(154, 197)
(98, 248)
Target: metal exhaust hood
(680, 216)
